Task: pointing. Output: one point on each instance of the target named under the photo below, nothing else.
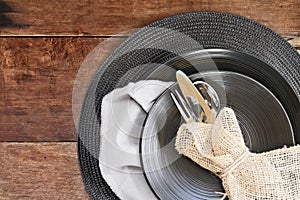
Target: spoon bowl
(210, 96)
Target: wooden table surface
(42, 45)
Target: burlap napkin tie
(220, 148)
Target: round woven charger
(159, 42)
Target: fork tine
(179, 107)
(184, 111)
(184, 104)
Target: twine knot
(235, 164)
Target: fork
(185, 111)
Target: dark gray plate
(263, 118)
(157, 43)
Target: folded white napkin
(122, 117)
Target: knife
(193, 97)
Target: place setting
(200, 105)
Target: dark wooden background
(42, 45)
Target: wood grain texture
(40, 171)
(36, 82)
(37, 76)
(106, 17)
(294, 41)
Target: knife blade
(193, 97)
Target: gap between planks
(23, 17)
(36, 81)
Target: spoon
(210, 96)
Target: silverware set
(199, 102)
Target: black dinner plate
(263, 103)
(156, 44)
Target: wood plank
(51, 17)
(294, 41)
(36, 83)
(40, 171)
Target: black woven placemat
(158, 43)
